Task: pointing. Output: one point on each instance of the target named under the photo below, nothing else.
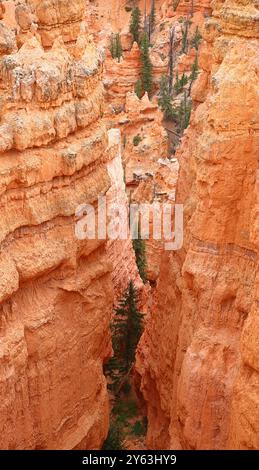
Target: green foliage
(135, 24)
(114, 440)
(128, 409)
(116, 47)
(139, 89)
(165, 99)
(197, 38)
(138, 429)
(146, 69)
(140, 252)
(152, 18)
(180, 83)
(127, 327)
(112, 46)
(136, 140)
(184, 114)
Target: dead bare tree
(171, 60)
(192, 8)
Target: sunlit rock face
(53, 18)
(57, 288)
(198, 357)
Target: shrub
(140, 252)
(139, 89)
(164, 100)
(127, 327)
(136, 140)
(138, 429)
(116, 47)
(180, 83)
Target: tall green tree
(135, 24)
(116, 47)
(138, 88)
(152, 18)
(164, 100)
(127, 328)
(180, 83)
(112, 46)
(196, 39)
(139, 246)
(147, 68)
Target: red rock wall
(56, 292)
(198, 358)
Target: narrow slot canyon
(114, 333)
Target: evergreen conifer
(146, 70)
(135, 24)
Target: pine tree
(139, 89)
(113, 46)
(146, 70)
(165, 99)
(184, 113)
(187, 106)
(140, 252)
(127, 328)
(152, 19)
(118, 47)
(135, 24)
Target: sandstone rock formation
(197, 361)
(120, 78)
(197, 365)
(53, 18)
(56, 291)
(120, 251)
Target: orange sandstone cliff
(56, 292)
(198, 359)
(197, 364)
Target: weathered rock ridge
(198, 360)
